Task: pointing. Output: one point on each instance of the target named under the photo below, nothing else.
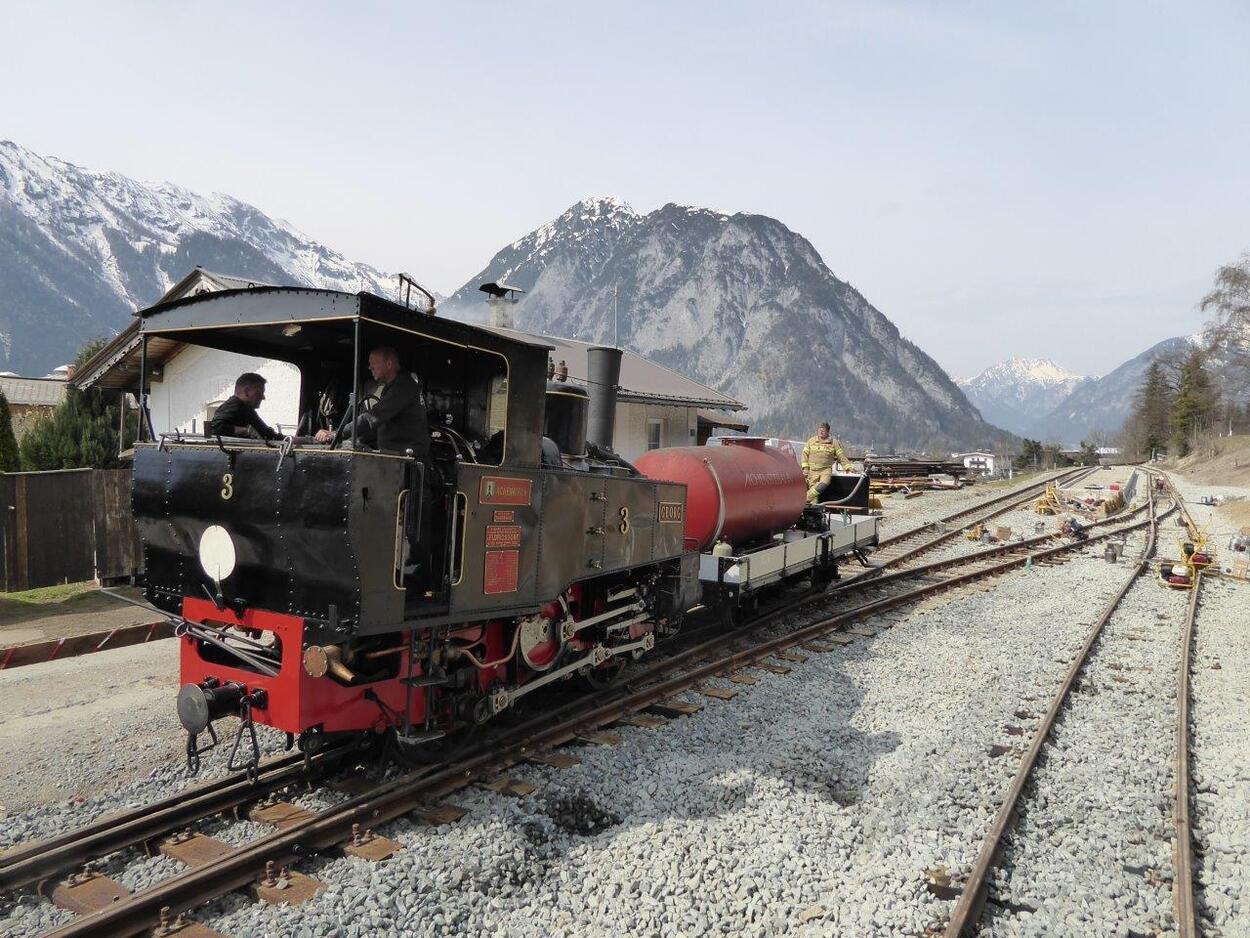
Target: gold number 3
(227, 486)
(623, 527)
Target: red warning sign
(502, 568)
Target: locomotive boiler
(332, 589)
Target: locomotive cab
(375, 525)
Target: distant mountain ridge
(1015, 394)
(1100, 406)
(741, 303)
(80, 250)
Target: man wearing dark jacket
(397, 421)
(238, 417)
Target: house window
(655, 433)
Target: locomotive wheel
(605, 675)
(415, 755)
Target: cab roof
(238, 310)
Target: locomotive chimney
(603, 374)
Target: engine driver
(397, 422)
(821, 456)
(238, 417)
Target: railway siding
(1097, 811)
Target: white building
(656, 406)
(980, 463)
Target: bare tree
(1228, 333)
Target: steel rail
(45, 859)
(393, 799)
(967, 911)
(1182, 847)
(1183, 904)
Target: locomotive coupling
(201, 704)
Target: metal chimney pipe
(603, 376)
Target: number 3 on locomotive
(623, 527)
(227, 486)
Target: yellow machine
(1050, 503)
(1182, 574)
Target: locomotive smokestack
(603, 375)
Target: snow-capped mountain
(741, 303)
(1016, 393)
(81, 249)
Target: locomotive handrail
(183, 626)
(457, 542)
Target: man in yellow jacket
(821, 456)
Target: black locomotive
(332, 589)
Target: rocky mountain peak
(741, 303)
(1023, 371)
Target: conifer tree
(9, 458)
(1195, 404)
(1152, 411)
(80, 433)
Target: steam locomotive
(334, 589)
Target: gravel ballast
(1096, 814)
(819, 802)
(1220, 747)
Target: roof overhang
(725, 423)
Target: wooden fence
(66, 526)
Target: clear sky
(1053, 179)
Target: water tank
(740, 491)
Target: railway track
(906, 544)
(339, 827)
(1184, 910)
(966, 917)
(42, 861)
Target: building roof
(38, 392)
(711, 419)
(642, 380)
(116, 365)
